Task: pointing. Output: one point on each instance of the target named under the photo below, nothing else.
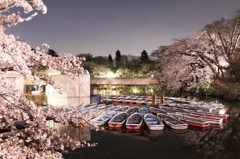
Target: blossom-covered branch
(35, 140)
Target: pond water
(118, 145)
(215, 142)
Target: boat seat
(150, 119)
(131, 119)
(153, 123)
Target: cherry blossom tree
(213, 54)
(177, 70)
(35, 140)
(216, 46)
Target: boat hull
(111, 125)
(134, 121)
(213, 116)
(190, 120)
(133, 127)
(201, 125)
(155, 127)
(176, 127)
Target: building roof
(125, 81)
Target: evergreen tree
(144, 56)
(110, 60)
(118, 58)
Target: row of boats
(156, 117)
(170, 101)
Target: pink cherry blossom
(36, 140)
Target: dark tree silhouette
(100, 60)
(88, 56)
(52, 53)
(144, 56)
(110, 60)
(118, 58)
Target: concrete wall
(79, 91)
(53, 96)
(75, 92)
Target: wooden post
(154, 100)
(162, 98)
(103, 93)
(116, 95)
(131, 95)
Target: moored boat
(113, 108)
(144, 110)
(172, 122)
(95, 112)
(86, 109)
(141, 102)
(118, 120)
(204, 118)
(132, 110)
(211, 115)
(102, 119)
(152, 122)
(196, 112)
(191, 121)
(156, 110)
(134, 121)
(122, 108)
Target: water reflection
(84, 133)
(76, 133)
(140, 134)
(136, 144)
(177, 131)
(189, 143)
(214, 142)
(199, 128)
(153, 136)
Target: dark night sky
(101, 27)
